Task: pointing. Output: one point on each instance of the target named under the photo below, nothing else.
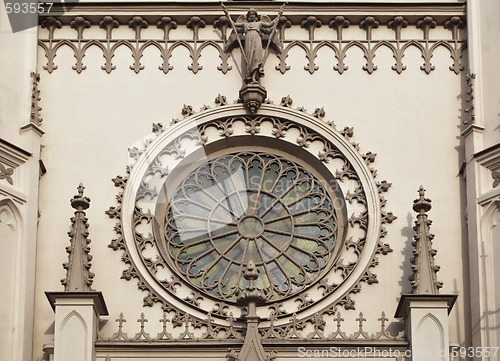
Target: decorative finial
(78, 275)
(422, 204)
(80, 202)
(424, 278)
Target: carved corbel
(283, 23)
(310, 24)
(339, 23)
(51, 23)
(368, 24)
(397, 24)
(108, 23)
(137, 24)
(454, 24)
(222, 24)
(195, 23)
(425, 25)
(80, 24)
(166, 24)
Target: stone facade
(147, 104)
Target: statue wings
(232, 41)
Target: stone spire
(252, 349)
(78, 275)
(424, 278)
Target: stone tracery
(250, 207)
(175, 155)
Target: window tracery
(166, 173)
(250, 206)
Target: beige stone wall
(411, 120)
(490, 83)
(19, 158)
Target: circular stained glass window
(245, 207)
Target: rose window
(245, 207)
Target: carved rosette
(168, 170)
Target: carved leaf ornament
(218, 189)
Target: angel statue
(254, 30)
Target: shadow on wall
(407, 232)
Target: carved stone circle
(195, 209)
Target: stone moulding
(275, 127)
(337, 42)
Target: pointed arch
(430, 328)
(73, 327)
(11, 244)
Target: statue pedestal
(252, 96)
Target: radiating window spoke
(250, 206)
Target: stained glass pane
(245, 207)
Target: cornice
(473, 128)
(408, 301)
(489, 154)
(69, 297)
(295, 12)
(14, 150)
